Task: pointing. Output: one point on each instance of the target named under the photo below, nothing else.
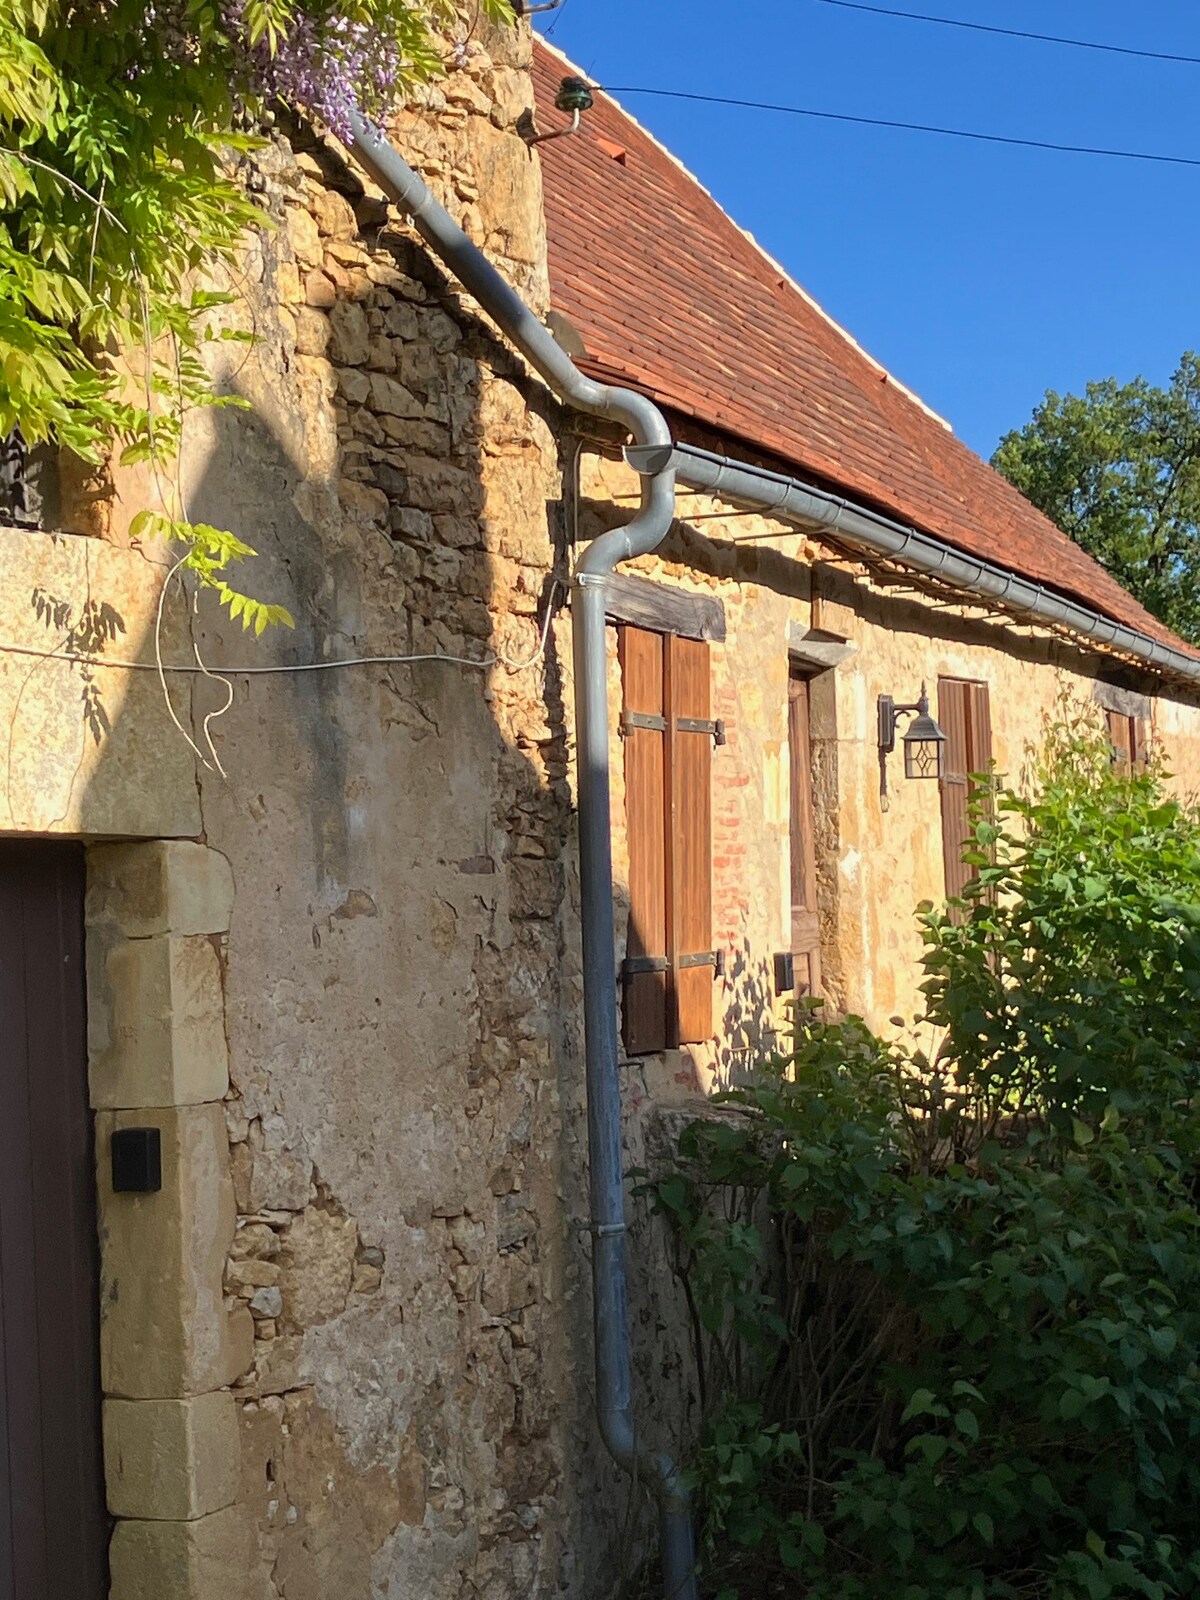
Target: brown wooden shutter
(964, 712)
(979, 730)
(645, 997)
(1138, 743)
(806, 929)
(669, 970)
(689, 781)
(956, 770)
(1120, 736)
(1127, 735)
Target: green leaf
(967, 1424)
(984, 1527)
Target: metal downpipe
(613, 1371)
(643, 420)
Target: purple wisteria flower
(328, 68)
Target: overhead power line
(910, 127)
(1016, 33)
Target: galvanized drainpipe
(773, 494)
(643, 420)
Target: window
(1127, 735)
(668, 734)
(965, 719)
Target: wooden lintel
(664, 609)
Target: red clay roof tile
(669, 295)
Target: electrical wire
(911, 127)
(480, 663)
(1016, 33)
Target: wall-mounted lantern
(923, 740)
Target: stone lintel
(813, 647)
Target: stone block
(156, 1020)
(392, 398)
(312, 332)
(317, 1260)
(171, 1460)
(208, 1559)
(350, 338)
(335, 215)
(136, 777)
(165, 1331)
(163, 886)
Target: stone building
(323, 890)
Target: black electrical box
(136, 1160)
(785, 972)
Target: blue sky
(979, 275)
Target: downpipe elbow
(639, 537)
(664, 1480)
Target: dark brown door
(53, 1528)
(806, 927)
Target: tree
(1118, 470)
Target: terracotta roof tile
(669, 295)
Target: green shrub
(948, 1304)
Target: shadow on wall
(403, 977)
(753, 1029)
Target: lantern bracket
(924, 741)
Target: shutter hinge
(699, 725)
(634, 966)
(641, 719)
(706, 958)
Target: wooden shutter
(1127, 735)
(669, 969)
(979, 730)
(956, 772)
(964, 714)
(689, 908)
(1138, 743)
(645, 998)
(806, 930)
(1120, 737)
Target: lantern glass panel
(922, 758)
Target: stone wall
(874, 866)
(368, 1262)
(402, 979)
(347, 1348)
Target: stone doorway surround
(157, 917)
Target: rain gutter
(641, 419)
(776, 495)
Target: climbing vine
(119, 121)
